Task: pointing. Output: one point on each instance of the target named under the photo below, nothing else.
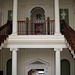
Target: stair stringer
(72, 51)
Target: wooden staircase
(69, 35)
(5, 31)
(66, 30)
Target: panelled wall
(25, 7)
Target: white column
(57, 20)
(57, 61)
(14, 17)
(29, 27)
(14, 60)
(46, 26)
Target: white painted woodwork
(57, 20)
(36, 41)
(57, 61)
(26, 55)
(14, 60)
(15, 2)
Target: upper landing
(36, 41)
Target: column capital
(13, 49)
(58, 49)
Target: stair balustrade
(69, 34)
(39, 27)
(5, 30)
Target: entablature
(36, 41)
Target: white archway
(37, 13)
(38, 6)
(29, 11)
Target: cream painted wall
(6, 55)
(25, 6)
(65, 54)
(5, 13)
(31, 6)
(71, 15)
(21, 62)
(0, 15)
(5, 5)
(74, 15)
(28, 55)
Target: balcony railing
(37, 27)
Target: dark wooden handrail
(69, 34)
(5, 30)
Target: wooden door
(30, 72)
(38, 29)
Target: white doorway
(37, 67)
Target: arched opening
(9, 67)
(37, 67)
(65, 67)
(37, 13)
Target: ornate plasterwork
(63, 14)
(43, 65)
(42, 61)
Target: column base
(57, 34)
(14, 34)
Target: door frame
(44, 66)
